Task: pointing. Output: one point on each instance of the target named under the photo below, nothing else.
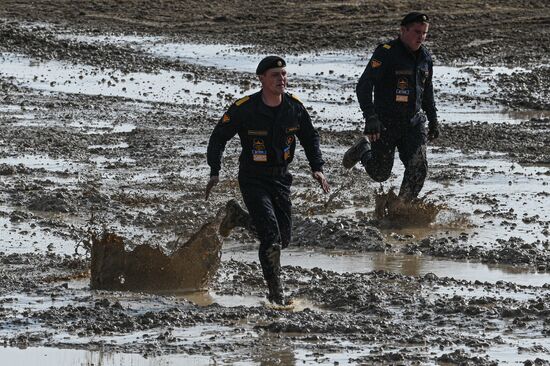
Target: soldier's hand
(320, 177)
(433, 131)
(373, 127)
(211, 183)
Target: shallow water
(409, 265)
(42, 162)
(335, 74)
(45, 356)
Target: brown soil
(470, 29)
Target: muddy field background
(105, 112)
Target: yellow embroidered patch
(242, 100)
(259, 152)
(375, 64)
(295, 97)
(386, 46)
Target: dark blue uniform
(401, 81)
(268, 139)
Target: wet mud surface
(102, 133)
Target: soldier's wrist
(370, 115)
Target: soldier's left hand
(211, 183)
(433, 131)
(320, 177)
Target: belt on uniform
(270, 171)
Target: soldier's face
(274, 80)
(413, 35)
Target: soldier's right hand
(373, 127)
(211, 183)
(433, 130)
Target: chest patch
(403, 72)
(292, 129)
(257, 133)
(259, 152)
(402, 92)
(375, 63)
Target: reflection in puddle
(43, 356)
(399, 263)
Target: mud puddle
(56, 76)
(42, 162)
(46, 356)
(24, 237)
(408, 265)
(333, 74)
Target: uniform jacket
(402, 84)
(266, 141)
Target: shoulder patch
(296, 98)
(386, 46)
(242, 100)
(375, 63)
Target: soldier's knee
(379, 175)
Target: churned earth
(105, 112)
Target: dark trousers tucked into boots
(267, 199)
(410, 141)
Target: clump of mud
(391, 210)
(191, 266)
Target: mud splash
(191, 266)
(392, 211)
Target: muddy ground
(74, 162)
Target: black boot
(235, 216)
(270, 260)
(355, 153)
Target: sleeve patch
(241, 101)
(225, 118)
(375, 63)
(295, 97)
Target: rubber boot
(354, 154)
(270, 260)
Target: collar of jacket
(262, 108)
(421, 51)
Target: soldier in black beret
(269, 62)
(268, 123)
(396, 96)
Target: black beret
(269, 62)
(415, 17)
